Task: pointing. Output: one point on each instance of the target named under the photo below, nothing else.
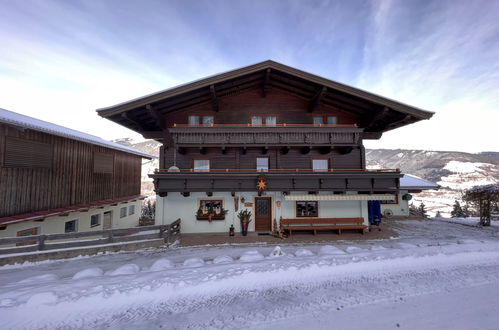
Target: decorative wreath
(261, 183)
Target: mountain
(453, 171)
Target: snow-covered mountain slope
(453, 171)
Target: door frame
(271, 201)
(111, 219)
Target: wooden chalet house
(56, 180)
(269, 138)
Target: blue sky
(61, 60)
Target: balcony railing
(188, 180)
(266, 135)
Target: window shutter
(103, 163)
(22, 153)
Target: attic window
(103, 163)
(22, 153)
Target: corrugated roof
(16, 119)
(413, 182)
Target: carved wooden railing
(32, 243)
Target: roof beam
(397, 123)
(127, 117)
(160, 120)
(214, 98)
(316, 101)
(265, 86)
(378, 116)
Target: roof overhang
(379, 114)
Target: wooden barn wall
(235, 159)
(71, 179)
(239, 108)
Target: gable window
(201, 165)
(318, 120)
(208, 120)
(95, 220)
(270, 120)
(71, 226)
(193, 120)
(332, 120)
(256, 120)
(320, 165)
(131, 209)
(123, 212)
(262, 164)
(22, 153)
(307, 209)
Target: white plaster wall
(174, 206)
(55, 225)
(399, 210)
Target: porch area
(322, 237)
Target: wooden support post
(41, 242)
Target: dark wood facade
(232, 142)
(72, 176)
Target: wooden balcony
(186, 181)
(261, 135)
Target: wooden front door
(108, 220)
(263, 214)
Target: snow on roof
(16, 119)
(413, 182)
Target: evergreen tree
(457, 211)
(422, 210)
(438, 215)
(466, 211)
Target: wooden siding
(235, 158)
(71, 179)
(238, 109)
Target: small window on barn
(103, 163)
(71, 226)
(194, 120)
(95, 220)
(320, 165)
(22, 153)
(307, 209)
(262, 164)
(131, 209)
(123, 212)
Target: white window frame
(99, 221)
(316, 165)
(256, 120)
(272, 122)
(201, 165)
(123, 214)
(318, 118)
(76, 226)
(131, 209)
(193, 122)
(260, 167)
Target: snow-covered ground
(472, 221)
(434, 275)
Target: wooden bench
(315, 224)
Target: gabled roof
(16, 119)
(411, 182)
(380, 113)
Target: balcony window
(201, 165)
(320, 165)
(256, 120)
(270, 120)
(194, 120)
(262, 164)
(307, 209)
(318, 120)
(208, 120)
(332, 120)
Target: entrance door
(263, 214)
(107, 222)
